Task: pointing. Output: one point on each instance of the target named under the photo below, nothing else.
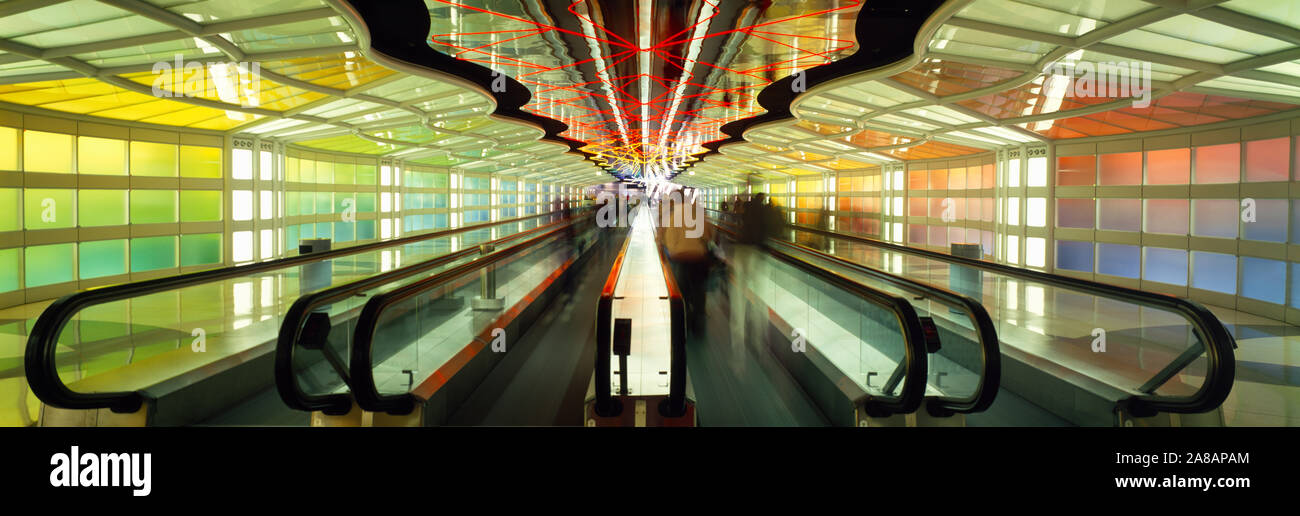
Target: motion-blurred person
(686, 239)
(756, 220)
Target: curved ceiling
(294, 71)
(643, 83)
(996, 73)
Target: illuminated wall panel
(200, 162)
(1119, 215)
(1215, 218)
(153, 206)
(1168, 167)
(200, 206)
(1268, 160)
(9, 269)
(1168, 216)
(1120, 169)
(202, 249)
(153, 159)
(1214, 271)
(101, 156)
(1075, 256)
(1260, 279)
(1075, 213)
(1218, 163)
(1165, 265)
(152, 253)
(49, 208)
(48, 264)
(1076, 170)
(47, 152)
(1270, 222)
(8, 148)
(102, 258)
(10, 218)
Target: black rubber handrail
(990, 374)
(360, 363)
(40, 360)
(295, 321)
(675, 405)
(606, 404)
(914, 365)
(1218, 343)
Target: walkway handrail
(990, 374)
(297, 318)
(606, 404)
(1218, 343)
(914, 365)
(40, 360)
(364, 389)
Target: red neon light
(606, 111)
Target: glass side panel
(422, 333)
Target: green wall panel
(102, 258)
(324, 202)
(153, 253)
(9, 216)
(106, 207)
(325, 172)
(345, 173)
(200, 206)
(49, 208)
(153, 206)
(366, 202)
(48, 264)
(9, 269)
(200, 249)
(366, 175)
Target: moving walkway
(417, 354)
(640, 376)
(208, 338)
(1091, 354)
(835, 333)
